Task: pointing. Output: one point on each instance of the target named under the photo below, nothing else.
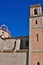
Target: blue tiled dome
(5, 28)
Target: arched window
(35, 11)
(38, 63)
(37, 37)
(36, 21)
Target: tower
(36, 35)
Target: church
(24, 50)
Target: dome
(4, 28)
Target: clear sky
(15, 14)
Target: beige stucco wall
(8, 56)
(8, 44)
(18, 58)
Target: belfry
(36, 35)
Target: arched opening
(36, 21)
(37, 37)
(38, 63)
(35, 11)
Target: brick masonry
(36, 37)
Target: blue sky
(15, 14)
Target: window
(35, 11)
(24, 44)
(21, 45)
(36, 21)
(38, 63)
(37, 37)
(27, 44)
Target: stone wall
(8, 44)
(16, 58)
(11, 54)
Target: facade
(25, 50)
(14, 44)
(36, 35)
(14, 51)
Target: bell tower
(36, 35)
(35, 10)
